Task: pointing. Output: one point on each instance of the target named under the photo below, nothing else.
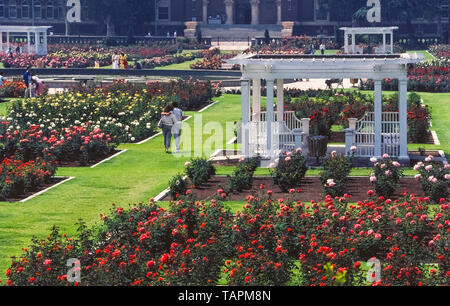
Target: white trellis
(265, 133)
(36, 38)
(384, 31)
(364, 135)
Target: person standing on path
(322, 48)
(27, 80)
(178, 113)
(168, 120)
(123, 61)
(115, 60)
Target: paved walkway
(231, 46)
(310, 84)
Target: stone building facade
(309, 16)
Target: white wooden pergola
(38, 32)
(368, 31)
(266, 133)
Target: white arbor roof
(23, 29)
(260, 66)
(39, 33)
(369, 30)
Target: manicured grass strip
(427, 54)
(181, 66)
(228, 170)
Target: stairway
(239, 32)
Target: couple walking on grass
(170, 124)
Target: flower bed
(292, 45)
(17, 177)
(153, 62)
(214, 60)
(428, 76)
(84, 56)
(268, 242)
(440, 51)
(122, 112)
(327, 108)
(11, 89)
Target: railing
(283, 136)
(116, 40)
(291, 122)
(364, 138)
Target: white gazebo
(369, 31)
(266, 133)
(36, 38)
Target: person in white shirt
(176, 130)
(168, 120)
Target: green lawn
(136, 175)
(327, 52)
(181, 66)
(427, 54)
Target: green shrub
(290, 170)
(434, 179)
(242, 178)
(386, 176)
(199, 171)
(335, 175)
(178, 185)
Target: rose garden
(83, 176)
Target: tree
(122, 14)
(392, 11)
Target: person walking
(2, 79)
(27, 80)
(178, 113)
(168, 120)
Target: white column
(205, 11)
(37, 42)
(28, 42)
(245, 96)
(229, 11)
(255, 11)
(7, 40)
(392, 42)
(384, 43)
(378, 109)
(269, 116)
(280, 100)
(256, 100)
(278, 11)
(353, 44)
(346, 43)
(45, 42)
(403, 114)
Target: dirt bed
(311, 189)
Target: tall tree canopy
(392, 11)
(126, 15)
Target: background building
(311, 17)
